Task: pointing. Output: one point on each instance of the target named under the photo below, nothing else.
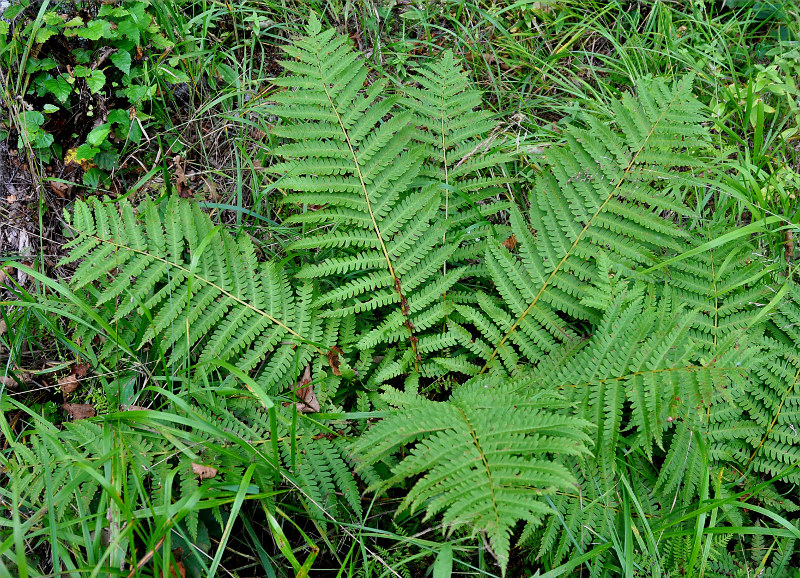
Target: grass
(540, 65)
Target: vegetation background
(218, 358)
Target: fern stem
(685, 368)
(446, 175)
(485, 462)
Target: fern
(312, 458)
(61, 475)
(601, 192)
(485, 454)
(771, 399)
(639, 357)
(721, 284)
(204, 294)
(654, 375)
(602, 341)
(377, 175)
(359, 167)
(457, 137)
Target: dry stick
(4, 178)
(578, 239)
(404, 309)
(146, 558)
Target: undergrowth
(455, 342)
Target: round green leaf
(59, 87)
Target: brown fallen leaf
(5, 273)
(181, 187)
(68, 384)
(210, 188)
(204, 472)
(177, 554)
(133, 408)
(60, 189)
(3, 327)
(79, 410)
(11, 199)
(333, 359)
(310, 404)
(80, 369)
(510, 243)
(8, 381)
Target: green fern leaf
(208, 297)
(485, 455)
(599, 192)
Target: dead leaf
(8, 381)
(11, 199)
(22, 277)
(71, 161)
(177, 554)
(333, 359)
(204, 472)
(132, 408)
(79, 410)
(68, 384)
(80, 369)
(305, 392)
(61, 189)
(3, 327)
(306, 376)
(180, 178)
(5, 274)
(510, 243)
(211, 190)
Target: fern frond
(368, 160)
(486, 455)
(458, 140)
(771, 398)
(722, 284)
(600, 192)
(205, 292)
(401, 187)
